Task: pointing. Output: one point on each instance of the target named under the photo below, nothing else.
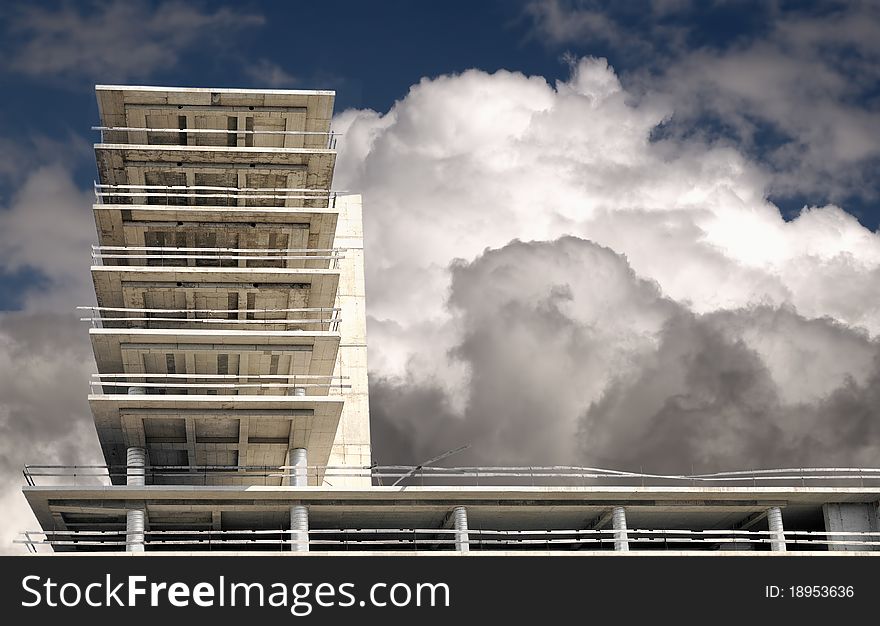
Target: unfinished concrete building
(231, 395)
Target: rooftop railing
(561, 476)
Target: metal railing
(165, 318)
(402, 539)
(330, 144)
(172, 193)
(164, 384)
(562, 476)
(203, 475)
(223, 257)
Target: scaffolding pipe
(777, 534)
(618, 523)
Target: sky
(636, 235)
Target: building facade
(231, 399)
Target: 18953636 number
(821, 591)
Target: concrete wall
(851, 517)
(352, 443)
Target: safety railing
(200, 475)
(403, 539)
(306, 318)
(184, 196)
(185, 133)
(218, 257)
(564, 476)
(219, 384)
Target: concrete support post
(299, 528)
(777, 534)
(135, 466)
(135, 461)
(298, 460)
(618, 523)
(460, 523)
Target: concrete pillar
(618, 523)
(298, 460)
(852, 517)
(135, 470)
(135, 461)
(777, 534)
(299, 528)
(134, 530)
(460, 523)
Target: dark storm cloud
(574, 359)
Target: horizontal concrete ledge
(292, 92)
(478, 553)
(679, 496)
(208, 149)
(201, 208)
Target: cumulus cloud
(45, 362)
(48, 227)
(686, 323)
(116, 40)
(798, 92)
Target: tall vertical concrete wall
(352, 443)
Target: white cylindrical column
(135, 461)
(135, 466)
(298, 460)
(618, 523)
(134, 530)
(299, 391)
(777, 534)
(460, 523)
(299, 528)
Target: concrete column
(299, 528)
(852, 517)
(135, 460)
(460, 523)
(134, 530)
(777, 534)
(618, 523)
(298, 460)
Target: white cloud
(805, 78)
(469, 162)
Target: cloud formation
(114, 40)
(798, 92)
(684, 323)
